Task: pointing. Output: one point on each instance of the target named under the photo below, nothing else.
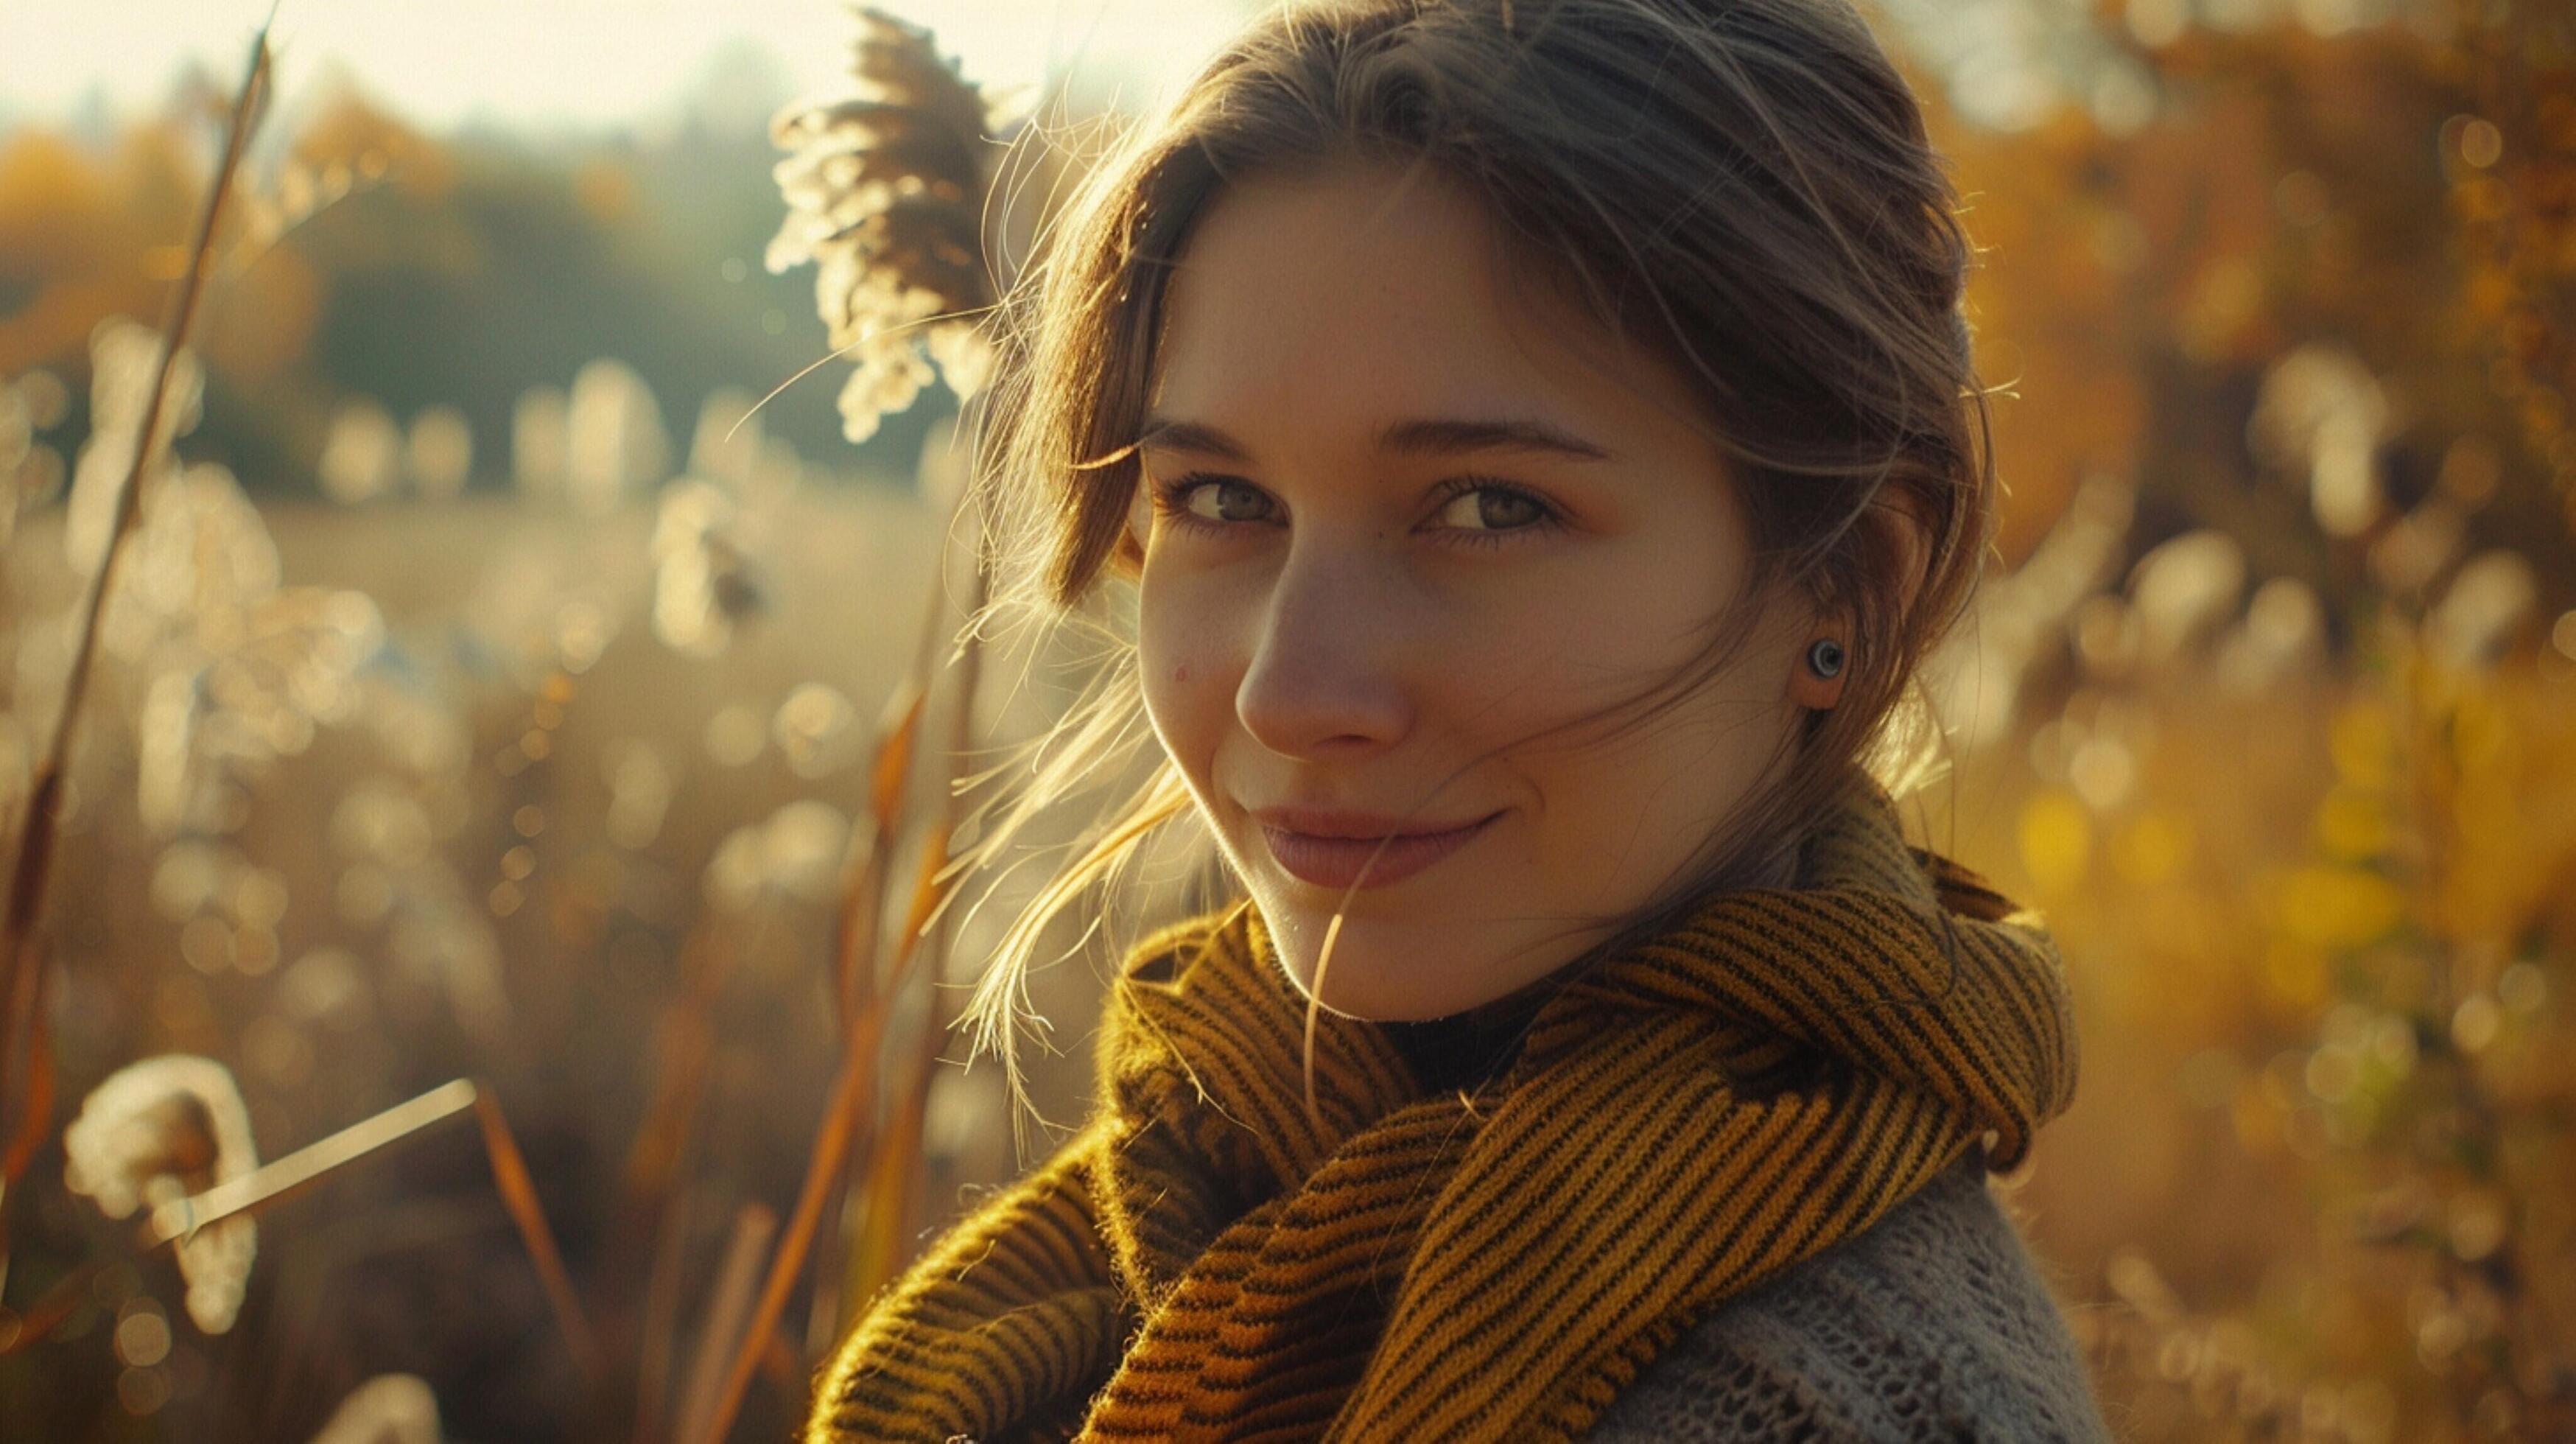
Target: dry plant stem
(308, 1165)
(278, 1179)
(245, 255)
(853, 1091)
(879, 1180)
(862, 906)
(41, 825)
(510, 1174)
(284, 1177)
(40, 1087)
(683, 1056)
(657, 1330)
(682, 1050)
(863, 901)
(896, 1170)
(863, 894)
(654, 1216)
(853, 1094)
(846, 1209)
(21, 924)
(687, 1051)
(852, 1206)
(26, 1330)
(735, 1278)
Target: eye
(1486, 513)
(1201, 500)
(1489, 507)
(1473, 511)
(1226, 498)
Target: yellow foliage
(2294, 973)
(364, 142)
(70, 222)
(2154, 847)
(2354, 823)
(2363, 742)
(2333, 907)
(2056, 839)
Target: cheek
(1181, 662)
(1538, 655)
(1562, 661)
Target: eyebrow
(1421, 437)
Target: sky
(578, 62)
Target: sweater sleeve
(1932, 1324)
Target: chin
(1373, 988)
(1376, 1005)
(1377, 973)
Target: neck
(1462, 1047)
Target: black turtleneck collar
(1465, 1049)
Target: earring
(1825, 657)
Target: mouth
(1336, 862)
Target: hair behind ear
(1905, 531)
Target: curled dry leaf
(387, 1409)
(158, 1131)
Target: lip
(1334, 857)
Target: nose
(1326, 678)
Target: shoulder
(1932, 1324)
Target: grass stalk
(519, 1191)
(22, 972)
(898, 1163)
(295, 1172)
(855, 1086)
(735, 1278)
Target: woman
(1538, 441)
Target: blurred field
(395, 905)
(483, 704)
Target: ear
(1904, 534)
(1805, 687)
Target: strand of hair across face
(1332, 933)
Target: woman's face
(1395, 516)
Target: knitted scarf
(1203, 1261)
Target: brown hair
(1743, 186)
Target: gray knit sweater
(1931, 1324)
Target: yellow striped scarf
(1201, 1262)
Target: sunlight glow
(582, 62)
